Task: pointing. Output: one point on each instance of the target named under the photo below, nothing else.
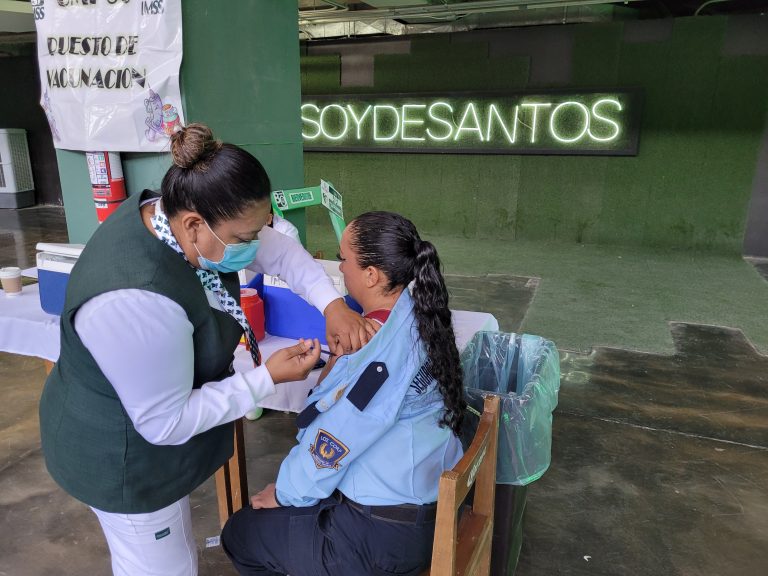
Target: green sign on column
(324, 194)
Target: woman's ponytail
(430, 298)
(390, 242)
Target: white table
(25, 329)
(290, 396)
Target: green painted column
(240, 75)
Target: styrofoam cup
(11, 280)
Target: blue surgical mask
(235, 258)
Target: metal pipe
(707, 3)
(332, 6)
(338, 5)
(462, 8)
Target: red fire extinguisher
(107, 182)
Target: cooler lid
(71, 250)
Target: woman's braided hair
(390, 242)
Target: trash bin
(524, 370)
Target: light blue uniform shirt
(371, 427)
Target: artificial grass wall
(706, 98)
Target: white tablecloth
(26, 329)
(290, 396)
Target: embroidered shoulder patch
(423, 378)
(327, 451)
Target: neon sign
(552, 122)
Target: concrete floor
(659, 464)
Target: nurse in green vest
(138, 410)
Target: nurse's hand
(294, 362)
(265, 499)
(345, 330)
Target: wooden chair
(232, 479)
(463, 544)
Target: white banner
(109, 72)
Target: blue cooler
(54, 263)
(290, 316)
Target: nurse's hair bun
(193, 146)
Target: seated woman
(357, 494)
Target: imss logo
(38, 9)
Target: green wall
(240, 75)
(689, 187)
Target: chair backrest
(463, 541)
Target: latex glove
(266, 498)
(345, 330)
(294, 362)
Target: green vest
(91, 447)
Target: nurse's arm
(152, 368)
(345, 330)
(278, 255)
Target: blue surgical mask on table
(235, 258)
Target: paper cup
(11, 280)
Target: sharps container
(253, 308)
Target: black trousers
(331, 538)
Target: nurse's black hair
(217, 180)
(390, 242)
